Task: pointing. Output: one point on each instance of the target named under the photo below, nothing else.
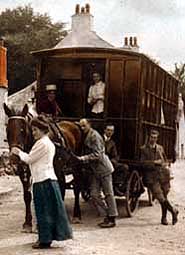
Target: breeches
(165, 180)
(158, 181)
(106, 205)
(157, 192)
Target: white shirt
(106, 138)
(97, 91)
(40, 160)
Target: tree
(25, 31)
(179, 74)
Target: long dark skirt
(52, 220)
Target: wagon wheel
(133, 193)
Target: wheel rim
(132, 193)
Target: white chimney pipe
(82, 21)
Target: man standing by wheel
(156, 175)
(102, 173)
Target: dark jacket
(111, 151)
(49, 107)
(153, 173)
(148, 153)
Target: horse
(19, 134)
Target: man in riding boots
(156, 175)
(102, 169)
(121, 170)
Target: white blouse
(40, 160)
(97, 91)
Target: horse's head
(17, 128)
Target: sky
(158, 24)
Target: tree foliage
(25, 31)
(179, 74)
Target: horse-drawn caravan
(139, 94)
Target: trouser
(106, 206)
(157, 191)
(160, 194)
(157, 179)
(164, 180)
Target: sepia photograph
(92, 127)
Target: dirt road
(141, 235)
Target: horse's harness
(60, 141)
(23, 146)
(59, 138)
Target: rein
(58, 134)
(61, 142)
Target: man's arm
(145, 159)
(90, 97)
(58, 110)
(97, 150)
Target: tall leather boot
(173, 211)
(164, 214)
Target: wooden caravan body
(140, 95)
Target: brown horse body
(19, 134)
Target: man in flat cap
(156, 175)
(49, 105)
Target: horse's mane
(16, 111)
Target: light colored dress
(52, 220)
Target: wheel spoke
(132, 193)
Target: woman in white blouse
(50, 211)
